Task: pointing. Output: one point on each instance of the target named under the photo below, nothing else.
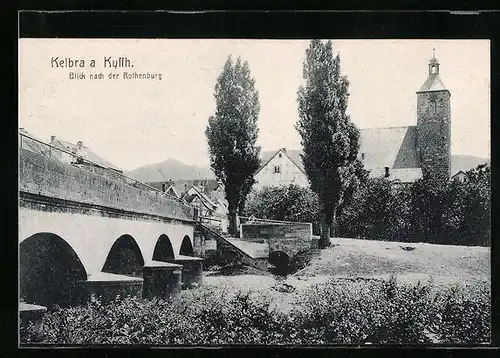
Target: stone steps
(253, 249)
(252, 254)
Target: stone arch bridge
(83, 233)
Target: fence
(49, 150)
(251, 219)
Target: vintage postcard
(207, 192)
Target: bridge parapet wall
(289, 238)
(48, 177)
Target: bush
(452, 213)
(336, 312)
(291, 203)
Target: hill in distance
(465, 162)
(172, 169)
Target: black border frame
(261, 24)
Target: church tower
(434, 125)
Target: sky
(132, 123)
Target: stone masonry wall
(434, 133)
(289, 238)
(44, 176)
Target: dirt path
(350, 258)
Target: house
(81, 156)
(460, 176)
(33, 144)
(206, 195)
(211, 210)
(400, 154)
(206, 186)
(170, 190)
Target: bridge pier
(162, 279)
(34, 314)
(107, 286)
(192, 270)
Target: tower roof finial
(433, 59)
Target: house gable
(280, 169)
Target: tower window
(433, 107)
(363, 156)
(276, 170)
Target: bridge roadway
(80, 232)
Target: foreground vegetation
(335, 312)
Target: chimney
(79, 144)
(386, 172)
(52, 138)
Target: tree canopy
(232, 134)
(330, 140)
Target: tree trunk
(324, 240)
(233, 223)
(333, 226)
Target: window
(279, 155)
(276, 170)
(363, 156)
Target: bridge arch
(279, 259)
(124, 257)
(163, 249)
(186, 247)
(49, 270)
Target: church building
(400, 154)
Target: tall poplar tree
(232, 134)
(330, 140)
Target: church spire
(433, 64)
(433, 82)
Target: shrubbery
(337, 312)
(291, 203)
(455, 213)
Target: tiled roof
(433, 83)
(32, 145)
(203, 198)
(292, 154)
(83, 152)
(406, 175)
(394, 147)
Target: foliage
(291, 203)
(377, 211)
(335, 312)
(330, 140)
(451, 213)
(467, 215)
(232, 134)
